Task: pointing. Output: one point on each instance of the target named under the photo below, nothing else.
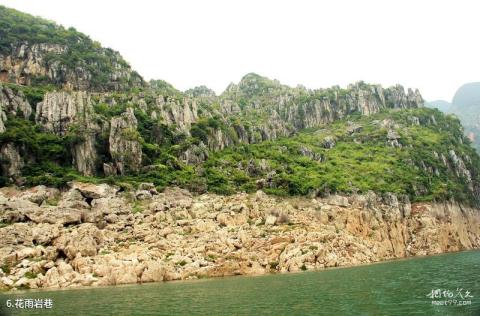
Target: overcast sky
(430, 45)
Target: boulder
(338, 200)
(150, 187)
(44, 233)
(154, 272)
(353, 127)
(94, 191)
(53, 215)
(39, 194)
(328, 142)
(52, 278)
(143, 195)
(393, 137)
(86, 240)
(270, 220)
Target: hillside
(314, 143)
(258, 133)
(34, 51)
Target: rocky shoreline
(94, 235)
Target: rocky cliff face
(29, 63)
(308, 108)
(173, 112)
(12, 162)
(63, 113)
(248, 115)
(240, 116)
(125, 147)
(34, 51)
(96, 235)
(12, 104)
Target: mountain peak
(467, 95)
(37, 51)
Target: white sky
(430, 45)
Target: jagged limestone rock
(11, 161)
(184, 236)
(328, 142)
(201, 91)
(12, 103)
(459, 165)
(195, 154)
(125, 148)
(285, 114)
(174, 112)
(392, 138)
(353, 128)
(61, 110)
(85, 155)
(71, 112)
(307, 152)
(28, 61)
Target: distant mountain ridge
(467, 95)
(442, 105)
(466, 105)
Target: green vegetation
(298, 165)
(165, 89)
(137, 207)
(30, 275)
(359, 162)
(51, 163)
(33, 94)
(107, 111)
(201, 129)
(5, 268)
(422, 165)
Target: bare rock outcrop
(12, 103)
(72, 112)
(12, 161)
(174, 235)
(125, 147)
(61, 110)
(29, 61)
(86, 240)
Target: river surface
(401, 287)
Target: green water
(390, 288)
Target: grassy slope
(359, 162)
